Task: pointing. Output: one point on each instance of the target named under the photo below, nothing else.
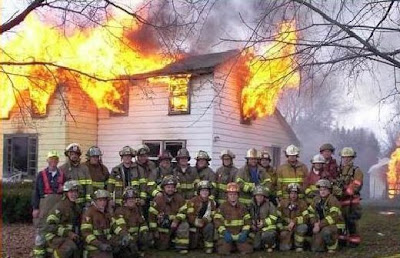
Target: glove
(125, 240)
(228, 237)
(105, 247)
(242, 237)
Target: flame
(270, 73)
(178, 91)
(393, 174)
(104, 52)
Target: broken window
(20, 154)
(179, 99)
(157, 146)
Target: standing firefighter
(204, 171)
(74, 170)
(123, 175)
(145, 167)
(95, 227)
(47, 193)
(292, 224)
(331, 169)
(291, 172)
(232, 222)
(98, 172)
(264, 218)
(225, 175)
(199, 212)
(251, 175)
(324, 213)
(265, 163)
(186, 175)
(164, 225)
(62, 230)
(128, 225)
(316, 173)
(164, 168)
(350, 182)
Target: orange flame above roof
(270, 73)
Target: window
(123, 103)
(276, 155)
(157, 146)
(179, 101)
(20, 154)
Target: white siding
(148, 119)
(231, 134)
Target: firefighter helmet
(261, 190)
(232, 187)
(73, 147)
(264, 154)
(169, 180)
(53, 154)
(318, 159)
(293, 187)
(166, 154)
(93, 151)
(101, 194)
(292, 150)
(326, 146)
(324, 183)
(348, 152)
(130, 192)
(71, 185)
(183, 153)
(202, 155)
(252, 153)
(127, 150)
(204, 184)
(143, 149)
(227, 153)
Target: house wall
(148, 119)
(229, 133)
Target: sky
(366, 110)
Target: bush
(16, 202)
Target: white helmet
(292, 150)
(318, 159)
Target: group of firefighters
(82, 209)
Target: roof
(193, 64)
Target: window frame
(163, 144)
(170, 95)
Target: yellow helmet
(227, 153)
(348, 152)
(252, 153)
(232, 187)
(292, 150)
(53, 154)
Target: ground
(380, 231)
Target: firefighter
(331, 168)
(225, 174)
(291, 172)
(251, 175)
(264, 218)
(232, 222)
(291, 223)
(265, 163)
(164, 168)
(324, 213)
(75, 170)
(350, 182)
(95, 227)
(204, 171)
(164, 225)
(186, 175)
(62, 229)
(145, 168)
(316, 173)
(199, 212)
(129, 226)
(98, 172)
(123, 175)
(47, 193)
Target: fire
(105, 52)
(178, 91)
(270, 73)
(393, 174)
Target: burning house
(203, 102)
